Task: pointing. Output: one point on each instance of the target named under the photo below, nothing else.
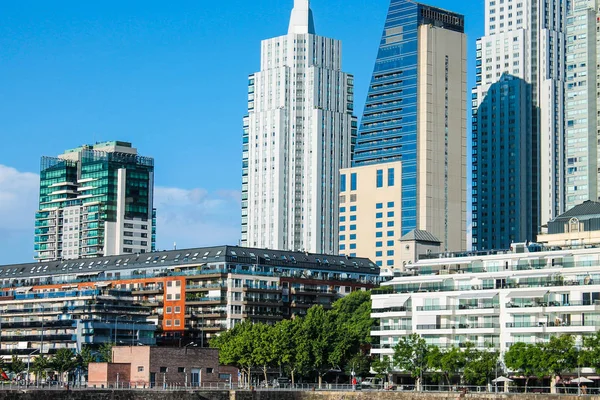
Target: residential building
(582, 102)
(149, 367)
(411, 146)
(194, 294)
(518, 121)
(578, 227)
(528, 293)
(298, 133)
(44, 318)
(95, 200)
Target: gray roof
(420, 236)
(195, 256)
(586, 210)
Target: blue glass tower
(394, 126)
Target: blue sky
(169, 77)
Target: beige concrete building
(370, 216)
(409, 164)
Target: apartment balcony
(48, 337)
(391, 312)
(314, 292)
(262, 288)
(204, 287)
(391, 330)
(148, 290)
(205, 300)
(262, 302)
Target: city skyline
(202, 208)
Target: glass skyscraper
(518, 122)
(412, 136)
(95, 200)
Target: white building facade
(491, 300)
(582, 102)
(298, 134)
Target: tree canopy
(314, 345)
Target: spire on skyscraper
(301, 20)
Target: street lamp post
(133, 335)
(28, 362)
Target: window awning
(528, 294)
(530, 259)
(489, 295)
(534, 275)
(69, 287)
(88, 274)
(102, 284)
(23, 289)
(395, 301)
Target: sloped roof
(419, 236)
(586, 210)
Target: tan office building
(409, 163)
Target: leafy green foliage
(382, 366)
(411, 354)
(17, 365)
(40, 366)
(318, 343)
(559, 355)
(63, 361)
(105, 352)
(525, 358)
(480, 366)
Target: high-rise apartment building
(582, 102)
(298, 133)
(409, 165)
(518, 121)
(95, 200)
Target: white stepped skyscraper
(298, 134)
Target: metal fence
(220, 386)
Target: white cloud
(196, 217)
(18, 199)
(189, 217)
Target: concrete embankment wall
(262, 395)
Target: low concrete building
(144, 366)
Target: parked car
(371, 383)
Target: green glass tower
(95, 200)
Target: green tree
(590, 354)
(40, 366)
(105, 352)
(84, 358)
(317, 335)
(411, 354)
(236, 347)
(63, 361)
(559, 355)
(445, 363)
(360, 364)
(263, 347)
(286, 337)
(525, 358)
(480, 366)
(17, 365)
(382, 367)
